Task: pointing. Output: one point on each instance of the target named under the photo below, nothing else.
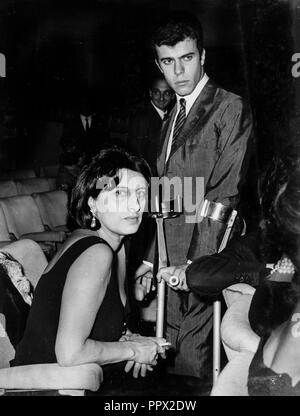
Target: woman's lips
(132, 219)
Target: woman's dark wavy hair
(280, 236)
(176, 27)
(105, 165)
(276, 175)
(287, 215)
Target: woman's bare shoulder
(91, 253)
(92, 267)
(96, 253)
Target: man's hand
(143, 281)
(165, 273)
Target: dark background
(58, 50)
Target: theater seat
(29, 186)
(8, 188)
(53, 209)
(24, 221)
(43, 378)
(39, 379)
(239, 340)
(52, 184)
(30, 255)
(237, 335)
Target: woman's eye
(120, 192)
(141, 194)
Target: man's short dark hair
(176, 27)
(104, 166)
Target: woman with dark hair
(80, 305)
(275, 368)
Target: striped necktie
(180, 119)
(165, 117)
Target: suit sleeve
(239, 262)
(233, 145)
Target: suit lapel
(201, 106)
(154, 114)
(80, 125)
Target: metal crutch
(161, 213)
(218, 212)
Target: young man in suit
(206, 136)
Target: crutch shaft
(217, 309)
(216, 339)
(162, 262)
(160, 309)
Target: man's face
(181, 65)
(161, 94)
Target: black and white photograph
(150, 201)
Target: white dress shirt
(189, 100)
(83, 120)
(161, 113)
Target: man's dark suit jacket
(144, 134)
(239, 262)
(88, 142)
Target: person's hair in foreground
(274, 366)
(280, 170)
(106, 165)
(176, 27)
(287, 216)
(276, 239)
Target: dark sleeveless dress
(38, 342)
(263, 381)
